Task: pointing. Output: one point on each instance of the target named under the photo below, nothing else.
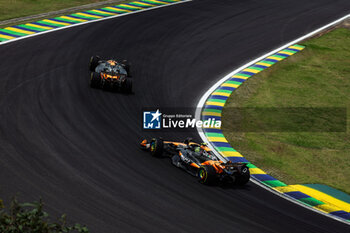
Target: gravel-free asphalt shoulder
(77, 147)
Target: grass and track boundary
(14, 33)
(211, 105)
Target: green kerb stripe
(225, 149)
(278, 56)
(255, 68)
(98, 13)
(243, 75)
(154, 3)
(82, 16)
(274, 183)
(267, 62)
(212, 110)
(13, 33)
(50, 24)
(300, 46)
(250, 165)
(217, 100)
(33, 28)
(233, 82)
(311, 201)
(223, 91)
(127, 8)
(67, 20)
(138, 5)
(289, 51)
(220, 135)
(2, 39)
(114, 10)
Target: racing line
(77, 147)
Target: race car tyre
(244, 177)
(95, 80)
(207, 175)
(94, 62)
(156, 147)
(127, 87)
(127, 66)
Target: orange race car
(110, 75)
(199, 160)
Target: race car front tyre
(207, 175)
(156, 147)
(93, 63)
(95, 80)
(244, 177)
(127, 87)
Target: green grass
(319, 76)
(19, 8)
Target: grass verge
(319, 76)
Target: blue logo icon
(151, 120)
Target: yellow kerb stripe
(231, 154)
(328, 208)
(19, 30)
(159, 2)
(323, 197)
(286, 189)
(90, 16)
(215, 103)
(217, 139)
(264, 64)
(297, 48)
(104, 12)
(229, 85)
(117, 9)
(288, 53)
(275, 58)
(132, 7)
(144, 4)
(238, 76)
(54, 22)
(252, 71)
(256, 171)
(73, 19)
(38, 26)
(222, 94)
(211, 114)
(6, 37)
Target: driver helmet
(111, 62)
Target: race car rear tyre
(127, 87)
(95, 80)
(156, 147)
(94, 62)
(207, 175)
(127, 66)
(244, 177)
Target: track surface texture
(77, 147)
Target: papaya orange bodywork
(106, 76)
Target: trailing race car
(199, 160)
(110, 75)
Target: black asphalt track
(77, 147)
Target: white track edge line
(91, 21)
(203, 99)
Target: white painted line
(92, 21)
(206, 95)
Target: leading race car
(198, 160)
(110, 75)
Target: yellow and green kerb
(13, 32)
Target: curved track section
(77, 148)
